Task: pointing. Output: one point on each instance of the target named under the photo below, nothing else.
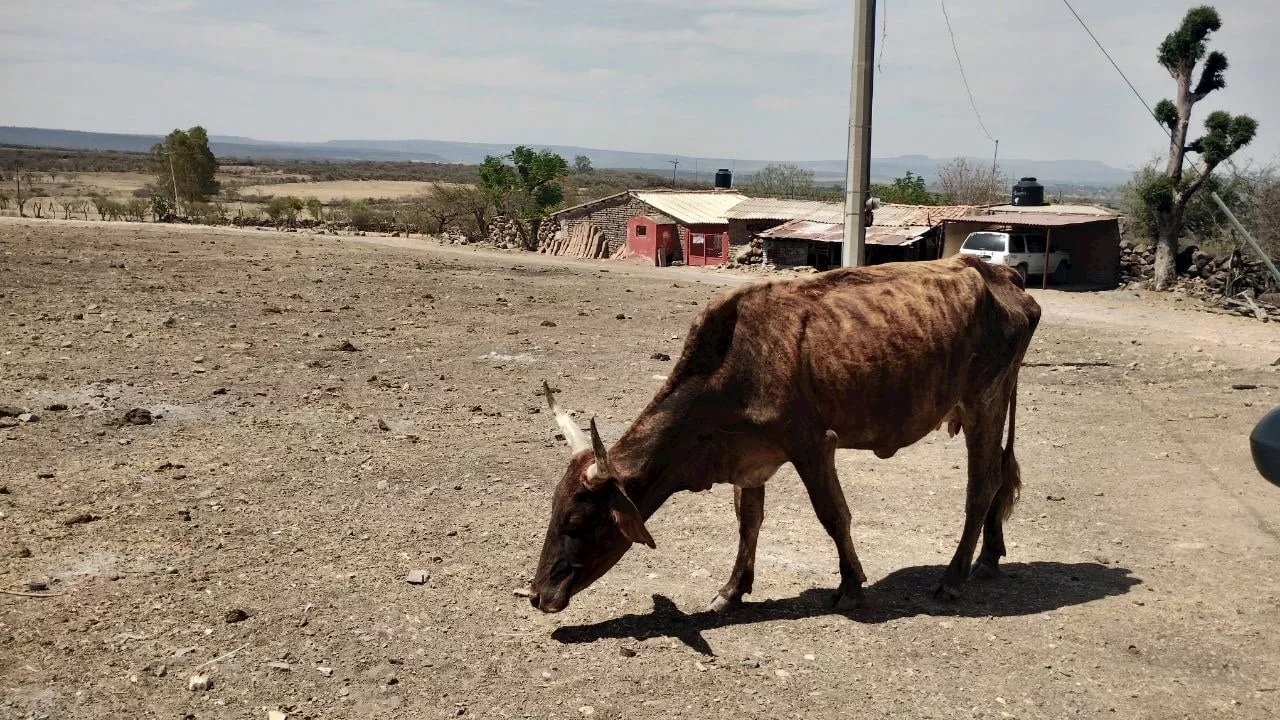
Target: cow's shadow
(1023, 589)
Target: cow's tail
(1010, 474)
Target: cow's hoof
(985, 570)
(721, 604)
(946, 593)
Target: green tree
(907, 190)
(284, 207)
(184, 158)
(780, 180)
(524, 184)
(315, 208)
(1170, 195)
(582, 165)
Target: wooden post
(1048, 243)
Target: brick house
(633, 223)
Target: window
(641, 231)
(985, 242)
(1035, 244)
(1017, 244)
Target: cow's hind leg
(818, 471)
(983, 426)
(749, 505)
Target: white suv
(1023, 252)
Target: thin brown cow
(788, 371)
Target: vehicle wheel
(1022, 273)
(1060, 274)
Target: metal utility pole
(858, 174)
(674, 164)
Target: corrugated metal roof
(1056, 209)
(777, 209)
(893, 215)
(692, 208)
(834, 232)
(1035, 219)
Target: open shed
(1092, 240)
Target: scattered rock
(1054, 498)
(276, 715)
(22, 551)
(346, 346)
(220, 391)
(81, 519)
(235, 615)
(280, 665)
(620, 316)
(1244, 386)
(56, 407)
(138, 416)
(28, 417)
(160, 670)
(751, 663)
(325, 671)
(660, 356)
(44, 476)
(417, 577)
(382, 425)
(12, 411)
(37, 585)
(626, 652)
(587, 710)
(548, 323)
(199, 683)
(4, 489)
(522, 592)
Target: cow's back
(877, 354)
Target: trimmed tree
(524, 184)
(184, 160)
(1170, 194)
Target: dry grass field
(338, 190)
(259, 530)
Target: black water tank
(724, 179)
(1264, 442)
(1028, 192)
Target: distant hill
(1050, 172)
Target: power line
(1186, 158)
(1117, 67)
(963, 77)
(884, 35)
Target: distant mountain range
(1050, 172)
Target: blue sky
(760, 79)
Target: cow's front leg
(818, 471)
(749, 505)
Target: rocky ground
(327, 416)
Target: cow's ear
(627, 516)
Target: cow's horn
(572, 433)
(602, 470)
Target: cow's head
(593, 522)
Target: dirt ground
(1143, 559)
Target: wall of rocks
(1232, 283)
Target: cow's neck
(674, 445)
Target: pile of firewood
(583, 240)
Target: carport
(1092, 241)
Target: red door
(704, 248)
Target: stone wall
(1231, 283)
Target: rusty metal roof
(778, 209)
(894, 215)
(1097, 210)
(1035, 219)
(692, 207)
(816, 231)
